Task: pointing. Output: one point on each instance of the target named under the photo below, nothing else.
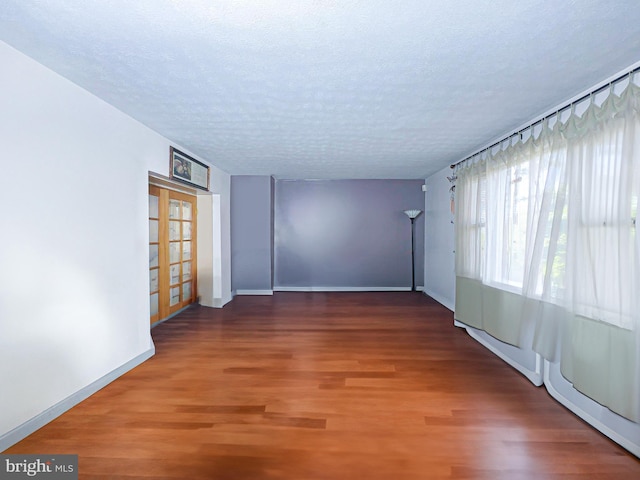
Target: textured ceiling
(328, 88)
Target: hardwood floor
(326, 386)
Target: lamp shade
(413, 213)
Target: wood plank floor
(326, 386)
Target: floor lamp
(413, 214)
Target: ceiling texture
(312, 89)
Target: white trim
(253, 292)
(341, 289)
(27, 428)
(631, 442)
(534, 376)
(440, 299)
(619, 429)
(165, 182)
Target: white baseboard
(253, 292)
(619, 429)
(622, 431)
(341, 289)
(27, 428)
(218, 302)
(441, 300)
(534, 376)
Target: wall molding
(166, 182)
(445, 302)
(342, 289)
(253, 292)
(619, 429)
(622, 431)
(27, 428)
(535, 376)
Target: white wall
(221, 184)
(214, 263)
(74, 289)
(439, 257)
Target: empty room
(320, 239)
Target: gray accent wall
(439, 257)
(347, 234)
(251, 233)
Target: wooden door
(172, 251)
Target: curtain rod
(556, 112)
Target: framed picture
(188, 170)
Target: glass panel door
(154, 254)
(172, 251)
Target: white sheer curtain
(604, 168)
(547, 254)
